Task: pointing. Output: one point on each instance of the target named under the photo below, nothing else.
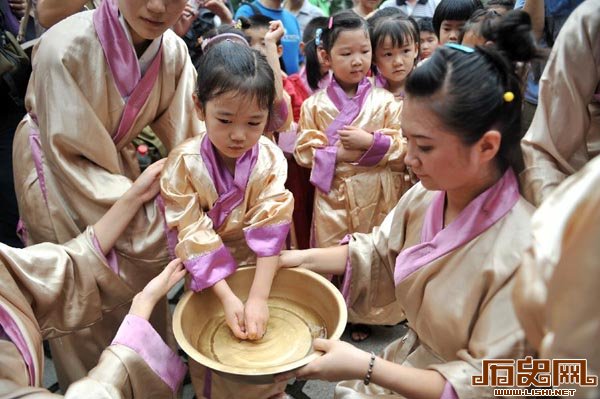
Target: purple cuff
(381, 145)
(136, 333)
(110, 259)
(208, 269)
(324, 168)
(287, 140)
(278, 116)
(267, 240)
(347, 279)
(449, 392)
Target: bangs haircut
(401, 31)
(453, 10)
(236, 68)
(346, 20)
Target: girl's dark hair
(466, 89)
(506, 4)
(342, 21)
(401, 30)
(477, 20)
(384, 13)
(229, 66)
(312, 66)
(453, 10)
(425, 25)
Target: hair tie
(459, 47)
(508, 96)
(330, 23)
(222, 37)
(237, 24)
(318, 34)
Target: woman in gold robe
(98, 79)
(448, 253)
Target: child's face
(350, 57)
(148, 19)
(395, 63)
(234, 123)
(256, 37)
(450, 31)
(429, 43)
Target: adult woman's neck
(139, 43)
(273, 4)
(457, 200)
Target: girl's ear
(199, 107)
(324, 58)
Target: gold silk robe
(458, 306)
(565, 132)
(78, 287)
(190, 193)
(360, 196)
(73, 97)
(558, 286)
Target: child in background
(395, 43)
(364, 8)
(500, 6)
(472, 31)
(428, 41)
(349, 136)
(224, 193)
(450, 17)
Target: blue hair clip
(318, 34)
(459, 47)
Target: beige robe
(189, 193)
(458, 307)
(73, 95)
(77, 288)
(565, 132)
(360, 196)
(558, 286)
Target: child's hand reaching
(256, 315)
(147, 185)
(234, 316)
(355, 138)
(275, 32)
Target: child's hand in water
(234, 316)
(147, 185)
(355, 138)
(275, 32)
(256, 315)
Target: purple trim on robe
(481, 213)
(323, 170)
(347, 278)
(210, 268)
(349, 108)
(124, 66)
(3, 335)
(230, 189)
(287, 140)
(110, 259)
(170, 233)
(22, 232)
(12, 330)
(267, 240)
(138, 334)
(207, 392)
(278, 116)
(449, 392)
(375, 153)
(38, 159)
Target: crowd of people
(436, 158)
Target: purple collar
(481, 213)
(230, 189)
(349, 108)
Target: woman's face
(436, 156)
(148, 19)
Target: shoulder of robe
(174, 50)
(268, 150)
(382, 94)
(190, 146)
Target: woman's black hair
(453, 10)
(401, 30)
(342, 21)
(312, 65)
(466, 89)
(425, 25)
(229, 66)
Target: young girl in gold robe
(99, 78)
(447, 254)
(225, 197)
(349, 135)
(49, 290)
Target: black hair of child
(401, 30)
(425, 25)
(453, 10)
(342, 21)
(234, 67)
(466, 90)
(313, 67)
